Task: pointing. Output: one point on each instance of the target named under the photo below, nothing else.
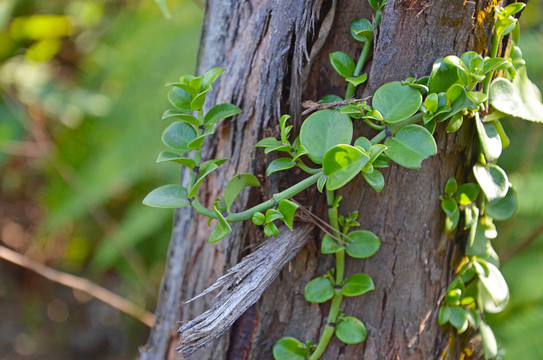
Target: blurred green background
(81, 96)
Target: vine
(405, 114)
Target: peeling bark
(264, 47)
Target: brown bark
(264, 47)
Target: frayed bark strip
(242, 286)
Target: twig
(524, 243)
(320, 223)
(79, 284)
(311, 106)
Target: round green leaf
(410, 146)
(443, 76)
(178, 135)
(451, 221)
(220, 112)
(505, 208)
(449, 206)
(375, 179)
(180, 99)
(493, 290)
(444, 315)
(350, 330)
(396, 101)
(490, 345)
(170, 156)
(342, 63)
(221, 230)
(467, 193)
(329, 245)
(271, 230)
(258, 218)
(451, 186)
(458, 318)
(319, 290)
(363, 244)
(493, 180)
(357, 284)
(361, 29)
(279, 165)
(342, 163)
(168, 197)
(288, 348)
(323, 130)
(489, 138)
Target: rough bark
(264, 46)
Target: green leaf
(363, 244)
(442, 77)
(330, 98)
(357, 80)
(477, 241)
(180, 115)
(467, 193)
(455, 123)
(198, 102)
(363, 142)
(319, 290)
(323, 130)
(210, 76)
(431, 103)
(493, 290)
(449, 206)
(329, 245)
(458, 98)
(236, 185)
(285, 130)
(396, 101)
(410, 146)
(458, 318)
(451, 186)
(273, 214)
(493, 181)
(490, 346)
(178, 135)
(220, 112)
(205, 169)
(451, 221)
(287, 208)
(504, 208)
(444, 315)
(199, 141)
(170, 156)
(497, 63)
(350, 330)
(167, 197)
(375, 179)
(514, 8)
(361, 29)
(489, 138)
(221, 230)
(288, 348)
(271, 230)
(341, 164)
(321, 182)
(258, 218)
(357, 284)
(520, 98)
(279, 165)
(342, 63)
(456, 62)
(180, 99)
(476, 97)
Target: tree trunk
(264, 47)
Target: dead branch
(244, 283)
(311, 106)
(80, 284)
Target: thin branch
(311, 106)
(80, 284)
(523, 244)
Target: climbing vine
(405, 115)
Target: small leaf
(180, 99)
(444, 315)
(457, 96)
(323, 130)
(205, 169)
(514, 8)
(341, 164)
(330, 245)
(170, 156)
(496, 289)
(375, 179)
(497, 63)
(180, 115)
(220, 112)
(178, 135)
(458, 318)
(357, 80)
(451, 186)
(271, 230)
(258, 218)
(236, 185)
(504, 208)
(273, 214)
(493, 181)
(449, 206)
(198, 102)
(467, 193)
(363, 244)
(321, 182)
(221, 230)
(288, 348)
(490, 346)
(489, 138)
(455, 123)
(431, 103)
(350, 330)
(476, 97)
(342, 63)
(363, 142)
(361, 29)
(442, 77)
(287, 208)
(319, 290)
(210, 77)
(279, 165)
(451, 221)
(410, 146)
(167, 197)
(357, 284)
(396, 101)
